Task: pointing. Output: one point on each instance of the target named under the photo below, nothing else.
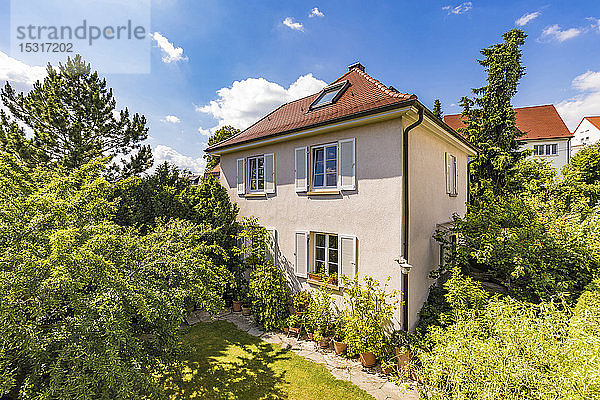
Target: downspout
(405, 218)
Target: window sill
(453, 194)
(259, 194)
(323, 192)
(321, 283)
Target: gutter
(405, 219)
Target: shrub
(510, 349)
(320, 313)
(269, 294)
(369, 309)
(302, 300)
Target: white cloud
(204, 132)
(290, 23)
(170, 52)
(15, 71)
(585, 103)
(315, 13)
(459, 9)
(244, 102)
(527, 18)
(595, 23)
(555, 32)
(164, 153)
(171, 119)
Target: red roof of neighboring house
(537, 122)
(593, 120)
(364, 94)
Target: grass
(223, 362)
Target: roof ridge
(382, 87)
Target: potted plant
(246, 310)
(240, 295)
(301, 301)
(317, 274)
(293, 323)
(401, 341)
(332, 279)
(320, 316)
(338, 335)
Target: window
(256, 172)
(451, 175)
(326, 254)
(324, 166)
(330, 95)
(545, 149)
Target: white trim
(267, 189)
(354, 253)
(317, 130)
(353, 185)
(304, 151)
(312, 166)
(240, 189)
(307, 250)
(312, 267)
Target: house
(543, 131)
(352, 179)
(586, 133)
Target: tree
(490, 117)
(74, 120)
(89, 309)
(437, 108)
(220, 134)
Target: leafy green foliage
(270, 296)
(89, 307)
(369, 309)
(72, 114)
(580, 189)
(437, 108)
(220, 135)
(320, 315)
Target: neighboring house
(586, 133)
(544, 132)
(326, 175)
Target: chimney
(356, 65)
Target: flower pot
(286, 329)
(246, 311)
(310, 335)
(339, 347)
(314, 277)
(324, 342)
(403, 357)
(368, 359)
(387, 369)
(237, 306)
(294, 330)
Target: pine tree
(73, 119)
(490, 117)
(437, 108)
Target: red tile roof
(594, 121)
(537, 122)
(364, 94)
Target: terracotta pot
(237, 306)
(387, 370)
(294, 330)
(314, 277)
(324, 342)
(246, 310)
(339, 347)
(368, 359)
(310, 335)
(286, 329)
(403, 357)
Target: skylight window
(329, 95)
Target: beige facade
(372, 212)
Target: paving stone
(192, 319)
(255, 331)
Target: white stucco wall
(557, 161)
(373, 212)
(585, 135)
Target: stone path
(368, 379)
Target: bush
(270, 296)
(510, 349)
(320, 313)
(369, 310)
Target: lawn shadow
(221, 362)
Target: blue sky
(424, 47)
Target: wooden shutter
(301, 169)
(454, 176)
(347, 165)
(270, 173)
(301, 254)
(447, 166)
(272, 245)
(347, 265)
(241, 187)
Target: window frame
(313, 161)
(545, 149)
(339, 87)
(313, 265)
(451, 180)
(249, 184)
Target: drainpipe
(405, 219)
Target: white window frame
(451, 175)
(313, 169)
(249, 161)
(313, 264)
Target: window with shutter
(240, 172)
(270, 173)
(347, 176)
(348, 256)
(451, 174)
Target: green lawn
(222, 362)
